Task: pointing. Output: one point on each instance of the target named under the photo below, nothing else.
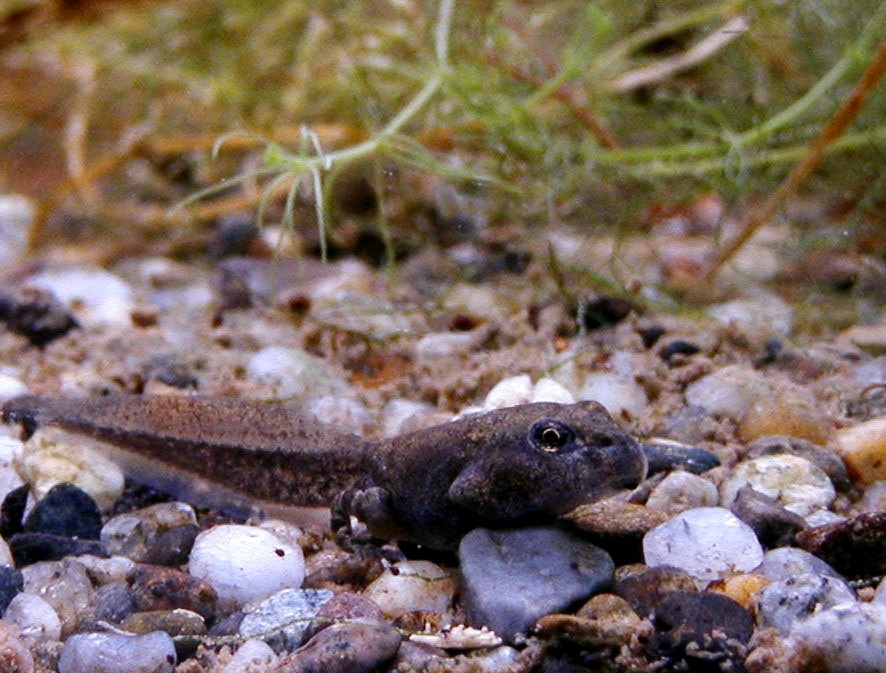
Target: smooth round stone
(252, 656)
(282, 619)
(786, 562)
(11, 583)
(863, 449)
(794, 483)
(680, 491)
(843, 639)
(65, 586)
(510, 578)
(135, 533)
(618, 395)
(411, 586)
(446, 344)
(706, 542)
(243, 563)
(293, 373)
(548, 390)
(509, 392)
(729, 391)
(826, 459)
(34, 618)
(65, 510)
(779, 604)
(117, 653)
(174, 622)
(53, 456)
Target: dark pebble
(677, 347)
(646, 589)
(824, 458)
(233, 235)
(510, 578)
(651, 334)
(855, 547)
(112, 603)
(36, 315)
(172, 547)
(345, 648)
(12, 511)
(185, 627)
(605, 311)
(699, 631)
(28, 548)
(667, 456)
(774, 525)
(67, 511)
(156, 588)
(11, 583)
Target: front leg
(375, 525)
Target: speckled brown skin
(511, 466)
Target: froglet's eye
(551, 436)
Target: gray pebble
(774, 525)
(827, 460)
(780, 603)
(283, 619)
(510, 578)
(849, 638)
(116, 653)
(787, 562)
(345, 648)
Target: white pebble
(34, 618)
(253, 656)
(65, 586)
(620, 396)
(795, 483)
(448, 344)
(98, 297)
(291, 372)
(682, 490)
(118, 653)
(707, 542)
(53, 456)
(243, 563)
(10, 387)
(766, 315)
(16, 215)
(345, 414)
(848, 638)
(509, 392)
(415, 585)
(729, 391)
(548, 390)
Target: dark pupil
(552, 438)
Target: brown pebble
(773, 524)
(14, 654)
(621, 519)
(344, 648)
(156, 588)
(863, 449)
(173, 622)
(644, 591)
(346, 606)
(605, 620)
(785, 416)
(855, 547)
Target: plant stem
(837, 124)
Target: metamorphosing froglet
(508, 467)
